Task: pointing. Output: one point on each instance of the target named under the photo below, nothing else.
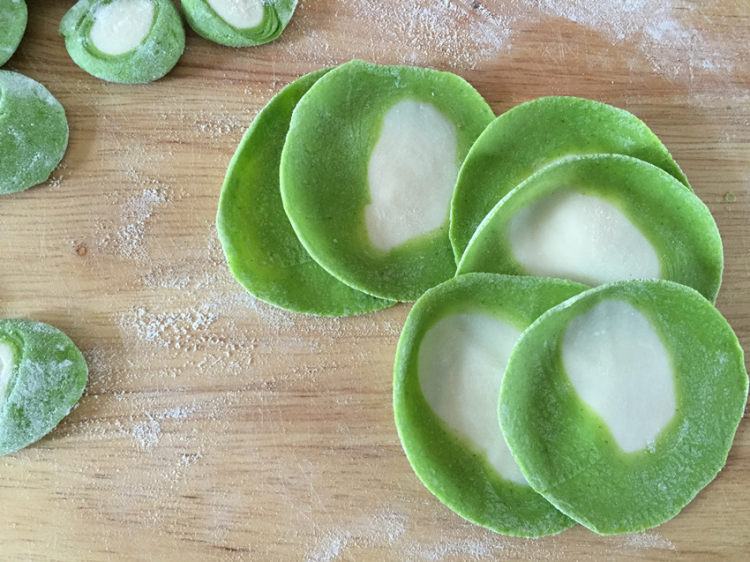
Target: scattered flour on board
(128, 237)
(383, 528)
(674, 47)
(647, 540)
(465, 33)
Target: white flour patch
(423, 32)
(383, 528)
(183, 329)
(674, 47)
(464, 34)
(647, 541)
(127, 240)
(471, 549)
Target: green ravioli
(532, 135)
(13, 16)
(42, 376)
(33, 132)
(621, 403)
(597, 219)
(261, 247)
(239, 23)
(368, 170)
(128, 41)
(449, 365)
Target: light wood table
(215, 427)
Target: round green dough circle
(46, 378)
(152, 59)
(206, 22)
(676, 223)
(33, 132)
(534, 134)
(13, 17)
(261, 248)
(451, 466)
(569, 454)
(324, 172)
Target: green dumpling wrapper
(611, 454)
(354, 173)
(33, 132)
(480, 315)
(632, 220)
(533, 134)
(162, 40)
(260, 22)
(261, 248)
(42, 376)
(13, 17)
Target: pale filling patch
(411, 174)
(462, 362)
(242, 14)
(7, 360)
(122, 25)
(621, 370)
(583, 238)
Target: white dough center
(7, 360)
(411, 173)
(122, 25)
(620, 368)
(583, 238)
(462, 362)
(242, 14)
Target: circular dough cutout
(621, 438)
(449, 366)
(600, 218)
(368, 170)
(261, 248)
(534, 134)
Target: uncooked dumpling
(129, 41)
(42, 376)
(33, 132)
(13, 16)
(239, 23)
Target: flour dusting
(467, 34)
(647, 541)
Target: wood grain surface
(215, 427)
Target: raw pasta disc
(621, 403)
(13, 16)
(42, 376)
(33, 132)
(128, 41)
(532, 135)
(261, 247)
(449, 365)
(239, 23)
(597, 219)
(368, 170)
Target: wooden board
(215, 427)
